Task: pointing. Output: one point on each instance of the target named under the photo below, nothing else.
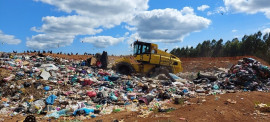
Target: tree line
(255, 44)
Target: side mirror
(166, 50)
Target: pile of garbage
(247, 75)
(56, 87)
(250, 74)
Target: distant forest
(253, 45)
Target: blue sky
(111, 25)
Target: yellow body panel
(144, 63)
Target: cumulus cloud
(8, 39)
(100, 8)
(249, 6)
(234, 30)
(49, 41)
(91, 16)
(102, 41)
(130, 28)
(73, 25)
(168, 25)
(133, 37)
(218, 10)
(203, 7)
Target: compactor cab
(143, 51)
(148, 59)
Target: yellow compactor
(149, 60)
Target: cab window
(135, 49)
(141, 48)
(146, 49)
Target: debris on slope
(58, 87)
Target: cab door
(145, 55)
(142, 52)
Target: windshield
(135, 49)
(141, 48)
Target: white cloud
(91, 16)
(73, 25)
(249, 6)
(184, 11)
(266, 30)
(218, 10)
(102, 41)
(234, 30)
(133, 37)
(130, 28)
(8, 39)
(168, 25)
(203, 7)
(49, 41)
(100, 8)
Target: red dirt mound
(208, 63)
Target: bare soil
(4, 73)
(209, 64)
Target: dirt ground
(4, 73)
(209, 64)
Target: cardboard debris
(49, 67)
(25, 63)
(45, 75)
(230, 101)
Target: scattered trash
(58, 87)
(230, 101)
(250, 74)
(30, 118)
(45, 75)
(263, 107)
(247, 75)
(182, 118)
(50, 99)
(47, 88)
